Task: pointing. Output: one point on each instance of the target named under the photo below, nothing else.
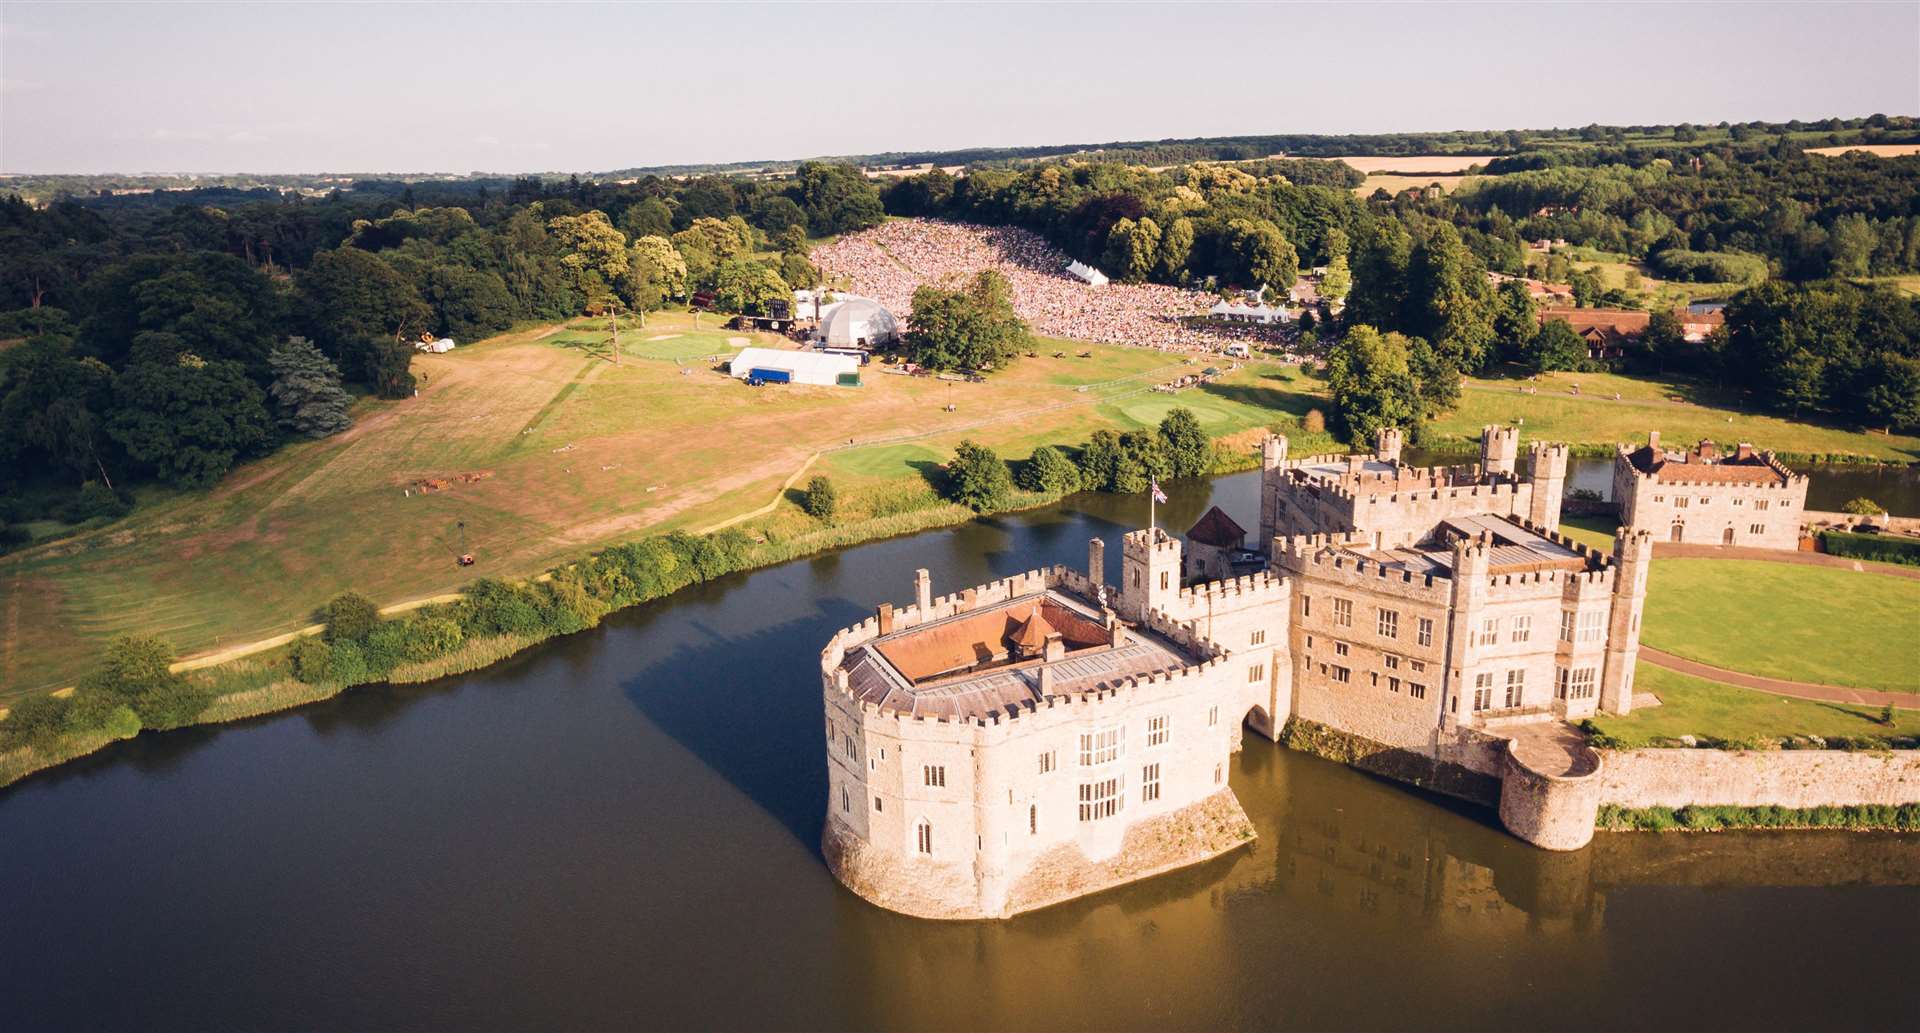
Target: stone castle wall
(1710, 511)
(1759, 778)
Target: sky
(499, 87)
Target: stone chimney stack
(1653, 442)
(1097, 562)
(885, 614)
(923, 591)
(1056, 647)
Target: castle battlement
(1240, 591)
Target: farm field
(1813, 624)
(544, 449)
(1614, 268)
(1694, 706)
(1879, 150)
(1393, 183)
(1416, 164)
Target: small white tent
(1086, 274)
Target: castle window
(1522, 628)
(1216, 774)
(1103, 746)
(1566, 625)
(1256, 674)
(923, 833)
(1101, 799)
(1340, 674)
(1150, 783)
(846, 801)
(1306, 606)
(1339, 649)
(936, 775)
(1424, 634)
(851, 753)
(1592, 625)
(1659, 498)
(1574, 684)
(1046, 761)
(831, 731)
(1393, 685)
(1259, 637)
(1213, 716)
(1483, 692)
(1739, 502)
(1343, 612)
(1393, 662)
(1516, 687)
(1489, 632)
(1157, 731)
(1163, 580)
(1706, 500)
(1389, 624)
(1417, 666)
(1757, 529)
(1680, 501)
(877, 806)
(1759, 504)
(1416, 690)
(1033, 819)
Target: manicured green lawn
(1815, 624)
(882, 460)
(1693, 706)
(1596, 532)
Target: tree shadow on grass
(1294, 403)
(1871, 717)
(935, 474)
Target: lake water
(619, 829)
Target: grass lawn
(1594, 417)
(1596, 532)
(1814, 624)
(1694, 706)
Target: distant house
(1695, 326)
(1086, 274)
(1606, 330)
(1539, 290)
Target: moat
(620, 829)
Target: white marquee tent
(1087, 274)
(780, 366)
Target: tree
(467, 303)
(589, 243)
(836, 198)
(1050, 471)
(972, 328)
(648, 218)
(1100, 461)
(977, 479)
(1890, 391)
(307, 398)
(1142, 461)
(1450, 300)
(1188, 450)
(389, 366)
(188, 420)
(1515, 318)
(1664, 340)
(1337, 280)
(52, 409)
(137, 672)
(655, 272)
(1371, 382)
(1176, 245)
(819, 500)
(1263, 253)
(1133, 248)
(351, 297)
(1556, 346)
(740, 286)
(349, 617)
(1863, 507)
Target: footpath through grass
(1781, 620)
(1713, 711)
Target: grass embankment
(1814, 624)
(1859, 817)
(1718, 714)
(545, 450)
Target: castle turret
(1472, 561)
(1499, 449)
(1632, 552)
(1149, 572)
(1273, 456)
(1386, 444)
(1547, 469)
(1097, 562)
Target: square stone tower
(1149, 572)
(1547, 469)
(1499, 449)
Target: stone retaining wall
(1758, 778)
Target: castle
(1701, 495)
(1048, 735)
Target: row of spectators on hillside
(887, 263)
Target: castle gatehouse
(1050, 735)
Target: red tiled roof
(1218, 530)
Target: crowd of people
(887, 263)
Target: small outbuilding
(778, 366)
(857, 323)
(1216, 547)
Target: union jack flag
(1158, 495)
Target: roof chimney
(1653, 441)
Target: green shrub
(820, 499)
(132, 665)
(430, 636)
(34, 721)
(387, 646)
(312, 661)
(498, 608)
(349, 617)
(174, 703)
(1884, 548)
(95, 500)
(347, 664)
(1049, 471)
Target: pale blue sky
(165, 87)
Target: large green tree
(971, 328)
(307, 398)
(1370, 378)
(978, 479)
(188, 420)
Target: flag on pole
(1158, 495)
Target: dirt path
(779, 494)
(1779, 686)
